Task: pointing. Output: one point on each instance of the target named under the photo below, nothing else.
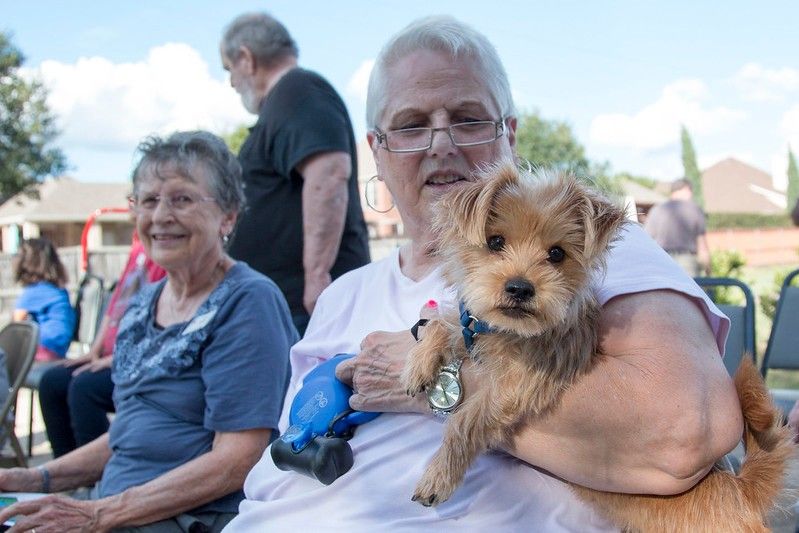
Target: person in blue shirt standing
(44, 299)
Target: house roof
(64, 200)
(642, 195)
(732, 186)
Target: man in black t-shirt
(303, 226)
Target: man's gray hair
(182, 152)
(264, 36)
(439, 34)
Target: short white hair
(439, 34)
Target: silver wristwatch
(446, 393)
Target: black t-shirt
(302, 115)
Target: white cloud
(657, 125)
(359, 82)
(789, 130)
(779, 170)
(790, 125)
(758, 83)
(103, 105)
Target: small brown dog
(521, 251)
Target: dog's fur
(545, 316)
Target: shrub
(726, 264)
(747, 221)
(768, 299)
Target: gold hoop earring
(367, 194)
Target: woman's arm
(19, 315)
(78, 468)
(204, 479)
(653, 415)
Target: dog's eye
(496, 243)
(556, 254)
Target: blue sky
(623, 74)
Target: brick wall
(760, 247)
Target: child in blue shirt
(44, 299)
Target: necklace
(177, 310)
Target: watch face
(445, 393)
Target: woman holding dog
(651, 417)
(199, 369)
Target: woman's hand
(76, 361)
(93, 366)
(374, 373)
(54, 514)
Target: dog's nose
(520, 289)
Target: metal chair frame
(19, 340)
(782, 350)
(748, 343)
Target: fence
(760, 247)
(106, 262)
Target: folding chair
(90, 302)
(782, 351)
(19, 340)
(741, 338)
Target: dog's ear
(602, 220)
(468, 209)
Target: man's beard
(250, 100)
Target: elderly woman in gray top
(200, 365)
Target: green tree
(793, 180)
(643, 181)
(690, 167)
(236, 138)
(552, 144)
(27, 128)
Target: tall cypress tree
(690, 167)
(793, 180)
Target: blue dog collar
(472, 326)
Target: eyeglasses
(178, 203)
(421, 139)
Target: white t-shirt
(499, 493)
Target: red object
(84, 236)
(137, 271)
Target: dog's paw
(430, 501)
(414, 381)
(415, 377)
(432, 491)
(412, 393)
